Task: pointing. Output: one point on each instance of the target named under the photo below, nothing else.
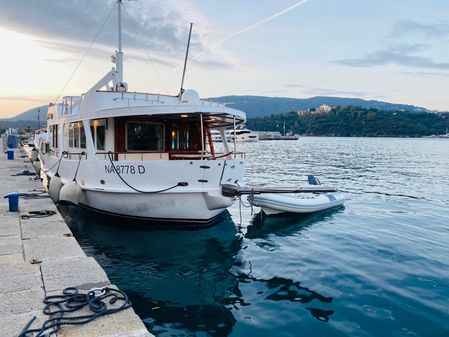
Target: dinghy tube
(291, 203)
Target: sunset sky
(395, 51)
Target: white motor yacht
(141, 155)
(241, 134)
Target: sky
(395, 51)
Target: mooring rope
(38, 214)
(135, 189)
(58, 162)
(78, 166)
(98, 300)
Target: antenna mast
(185, 61)
(119, 52)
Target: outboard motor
(313, 180)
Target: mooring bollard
(13, 199)
(10, 154)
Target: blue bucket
(10, 154)
(13, 199)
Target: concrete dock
(40, 256)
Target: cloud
(70, 19)
(401, 51)
(425, 74)
(405, 28)
(70, 25)
(325, 91)
(399, 54)
(23, 99)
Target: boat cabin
(144, 136)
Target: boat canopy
(106, 104)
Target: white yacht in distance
(141, 155)
(241, 134)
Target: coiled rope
(38, 214)
(100, 302)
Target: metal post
(235, 139)
(202, 136)
(185, 61)
(119, 53)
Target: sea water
(377, 267)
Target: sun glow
(28, 71)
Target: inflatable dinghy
(292, 203)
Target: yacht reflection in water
(262, 226)
(181, 282)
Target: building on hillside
(322, 109)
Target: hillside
(355, 122)
(259, 106)
(31, 114)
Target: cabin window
(144, 136)
(187, 140)
(98, 130)
(77, 136)
(175, 140)
(54, 135)
(82, 135)
(71, 135)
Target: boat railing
(191, 155)
(157, 99)
(75, 155)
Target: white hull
(182, 207)
(103, 191)
(287, 203)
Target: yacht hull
(170, 207)
(178, 191)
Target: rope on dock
(98, 300)
(38, 214)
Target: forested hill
(355, 121)
(259, 106)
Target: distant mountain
(31, 114)
(259, 106)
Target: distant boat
(241, 134)
(274, 135)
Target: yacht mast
(120, 86)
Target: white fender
(33, 155)
(55, 188)
(70, 192)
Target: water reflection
(261, 226)
(186, 282)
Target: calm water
(378, 267)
